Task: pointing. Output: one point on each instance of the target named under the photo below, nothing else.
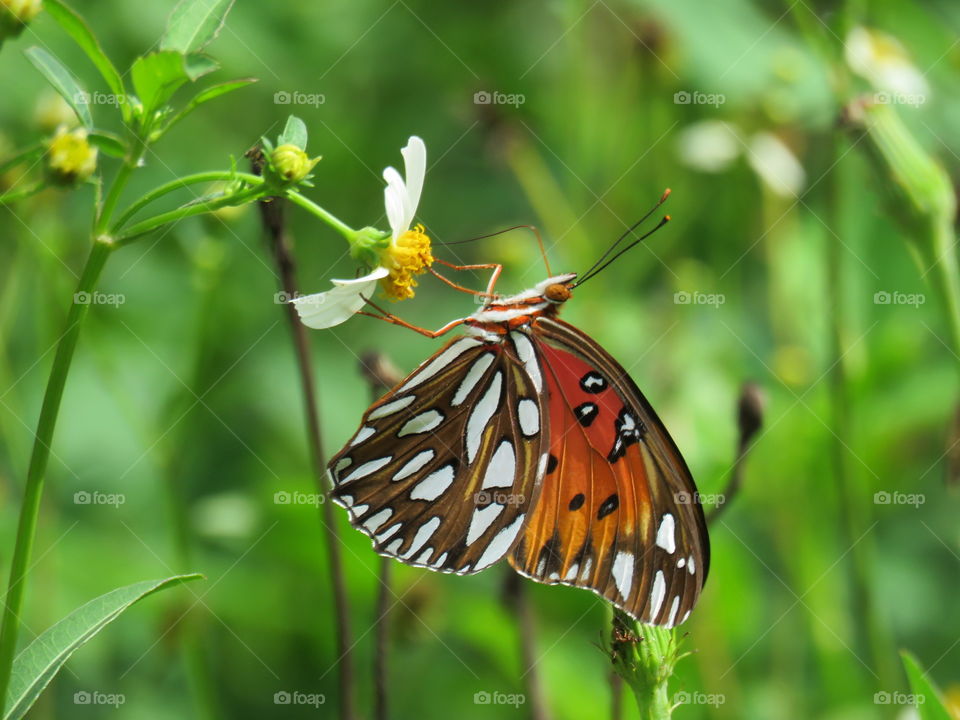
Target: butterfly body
(524, 439)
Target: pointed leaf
(206, 95)
(929, 701)
(39, 662)
(110, 143)
(194, 23)
(198, 64)
(63, 82)
(295, 133)
(76, 28)
(156, 77)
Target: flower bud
(71, 158)
(291, 164)
(16, 14)
(367, 244)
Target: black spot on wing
(586, 413)
(593, 383)
(608, 506)
(577, 501)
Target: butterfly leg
(496, 267)
(394, 320)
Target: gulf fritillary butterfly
(525, 439)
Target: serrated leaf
(63, 82)
(931, 706)
(156, 77)
(75, 26)
(109, 143)
(198, 64)
(295, 133)
(38, 663)
(193, 24)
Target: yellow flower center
(70, 157)
(407, 256)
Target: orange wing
(618, 512)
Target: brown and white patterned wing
(444, 468)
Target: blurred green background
(185, 397)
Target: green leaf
(193, 24)
(40, 661)
(198, 64)
(76, 28)
(64, 83)
(108, 142)
(295, 133)
(156, 77)
(206, 95)
(929, 704)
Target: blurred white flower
(407, 254)
(883, 61)
(708, 146)
(776, 164)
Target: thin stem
(15, 195)
(180, 183)
(520, 604)
(113, 196)
(309, 205)
(645, 656)
(381, 655)
(33, 491)
(273, 221)
(185, 211)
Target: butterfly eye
(557, 293)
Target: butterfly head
(557, 293)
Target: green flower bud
(645, 656)
(291, 164)
(367, 244)
(16, 14)
(71, 158)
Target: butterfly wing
(619, 512)
(444, 467)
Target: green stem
(178, 184)
(113, 196)
(30, 508)
(14, 195)
(309, 205)
(645, 656)
(145, 226)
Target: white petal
(415, 167)
(395, 202)
(326, 309)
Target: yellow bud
(70, 157)
(15, 14)
(291, 163)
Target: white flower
(883, 61)
(407, 254)
(776, 165)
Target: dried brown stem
(516, 597)
(749, 421)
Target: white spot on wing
(342, 464)
(391, 407)
(414, 464)
(656, 595)
(623, 573)
(360, 510)
(665, 534)
(425, 556)
(432, 367)
(529, 416)
(571, 575)
(673, 611)
(374, 522)
(424, 422)
(388, 532)
(501, 469)
(365, 432)
(681, 562)
(472, 377)
(433, 485)
(587, 567)
(366, 469)
(501, 543)
(481, 520)
(528, 357)
(394, 547)
(440, 561)
(684, 618)
(481, 414)
(691, 566)
(424, 533)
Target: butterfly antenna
(663, 221)
(596, 267)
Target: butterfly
(524, 439)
